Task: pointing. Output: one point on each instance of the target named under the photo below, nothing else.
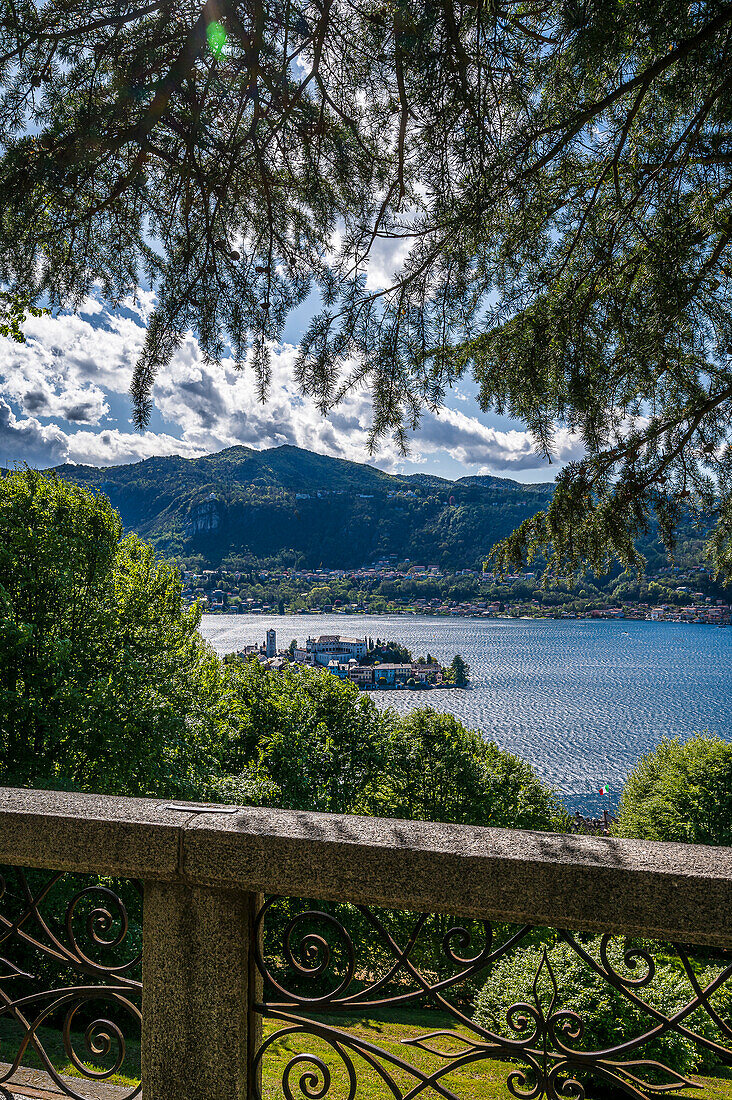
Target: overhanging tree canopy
(562, 175)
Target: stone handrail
(204, 869)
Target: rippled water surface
(582, 701)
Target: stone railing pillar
(198, 979)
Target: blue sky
(64, 398)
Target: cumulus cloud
(74, 369)
(221, 408)
(470, 441)
(115, 448)
(68, 362)
(29, 441)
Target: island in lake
(367, 662)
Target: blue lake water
(581, 701)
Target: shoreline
(407, 687)
(475, 617)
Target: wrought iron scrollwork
(312, 968)
(96, 1005)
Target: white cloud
(470, 441)
(112, 447)
(76, 368)
(386, 258)
(29, 441)
(68, 361)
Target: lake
(580, 700)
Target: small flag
(604, 789)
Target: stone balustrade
(210, 876)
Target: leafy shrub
(608, 1016)
(682, 791)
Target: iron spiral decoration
(88, 988)
(348, 962)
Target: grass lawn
(484, 1080)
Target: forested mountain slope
(293, 507)
(324, 510)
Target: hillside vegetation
(289, 506)
(309, 509)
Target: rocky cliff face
(206, 516)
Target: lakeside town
(674, 594)
(369, 664)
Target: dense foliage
(105, 682)
(568, 162)
(106, 685)
(608, 1017)
(316, 742)
(682, 791)
(384, 651)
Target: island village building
(341, 657)
(329, 647)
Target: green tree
(622, 323)
(105, 682)
(387, 653)
(460, 671)
(319, 595)
(568, 162)
(319, 741)
(682, 791)
(437, 770)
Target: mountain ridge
(314, 508)
(257, 455)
